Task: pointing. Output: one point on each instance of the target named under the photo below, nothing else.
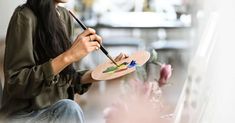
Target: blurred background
(183, 32)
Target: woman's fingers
(88, 39)
(121, 56)
(95, 37)
(95, 41)
(88, 32)
(126, 56)
(95, 44)
(118, 57)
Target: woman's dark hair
(50, 39)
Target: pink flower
(165, 74)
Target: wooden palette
(141, 57)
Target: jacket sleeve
(78, 86)
(23, 78)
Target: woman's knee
(62, 111)
(69, 110)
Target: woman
(39, 76)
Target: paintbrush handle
(84, 27)
(101, 47)
(80, 22)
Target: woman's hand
(84, 44)
(120, 57)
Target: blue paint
(132, 64)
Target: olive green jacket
(29, 86)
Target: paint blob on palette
(121, 67)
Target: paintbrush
(101, 47)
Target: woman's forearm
(61, 62)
